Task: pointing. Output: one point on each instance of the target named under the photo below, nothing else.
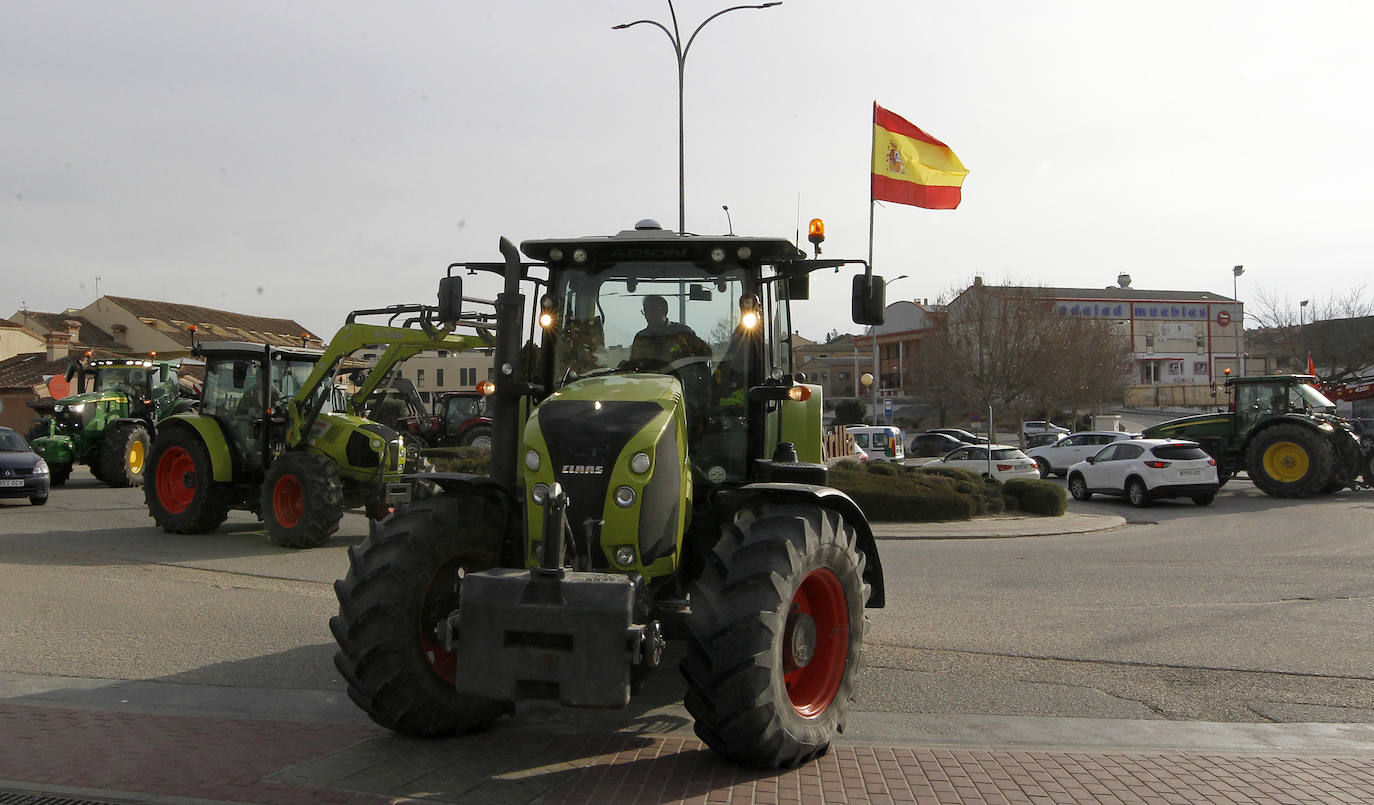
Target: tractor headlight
(539, 493)
(624, 497)
(641, 463)
(78, 408)
(532, 461)
(625, 555)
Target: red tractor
(456, 418)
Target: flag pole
(872, 155)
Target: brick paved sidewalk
(124, 755)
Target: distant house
(16, 339)
(835, 365)
(114, 326)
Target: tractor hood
(616, 445)
(662, 389)
(90, 397)
(1188, 426)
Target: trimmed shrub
(460, 459)
(1038, 497)
(903, 496)
(883, 468)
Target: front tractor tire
(181, 492)
(302, 500)
(123, 455)
(775, 635)
(1290, 461)
(403, 583)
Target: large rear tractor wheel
(302, 500)
(775, 635)
(123, 453)
(1290, 461)
(403, 583)
(181, 492)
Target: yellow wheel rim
(1286, 462)
(136, 457)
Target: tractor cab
(1258, 398)
(710, 312)
(246, 389)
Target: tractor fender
(212, 436)
(452, 482)
(829, 498)
(136, 420)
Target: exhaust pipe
(504, 405)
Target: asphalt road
(1251, 609)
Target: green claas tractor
(656, 472)
(1283, 433)
(109, 427)
(275, 436)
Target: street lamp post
(681, 52)
(1240, 318)
(1302, 329)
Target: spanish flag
(912, 167)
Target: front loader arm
(402, 343)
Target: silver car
(1055, 459)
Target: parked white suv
(1055, 459)
(1143, 470)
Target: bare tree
(1338, 332)
(1008, 349)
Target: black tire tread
(322, 492)
(114, 454)
(1321, 458)
(381, 601)
(734, 689)
(207, 510)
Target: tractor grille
(581, 433)
(70, 421)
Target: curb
(1009, 527)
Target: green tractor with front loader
(277, 434)
(656, 473)
(1283, 433)
(110, 427)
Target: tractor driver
(662, 341)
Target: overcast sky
(302, 159)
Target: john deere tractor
(655, 473)
(1283, 433)
(109, 427)
(276, 436)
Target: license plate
(11, 482)
(1190, 472)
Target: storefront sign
(1126, 310)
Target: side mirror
(799, 286)
(1091, 459)
(869, 302)
(450, 299)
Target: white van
(881, 442)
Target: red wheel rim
(440, 597)
(176, 480)
(288, 501)
(813, 683)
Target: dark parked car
(962, 435)
(23, 473)
(934, 444)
